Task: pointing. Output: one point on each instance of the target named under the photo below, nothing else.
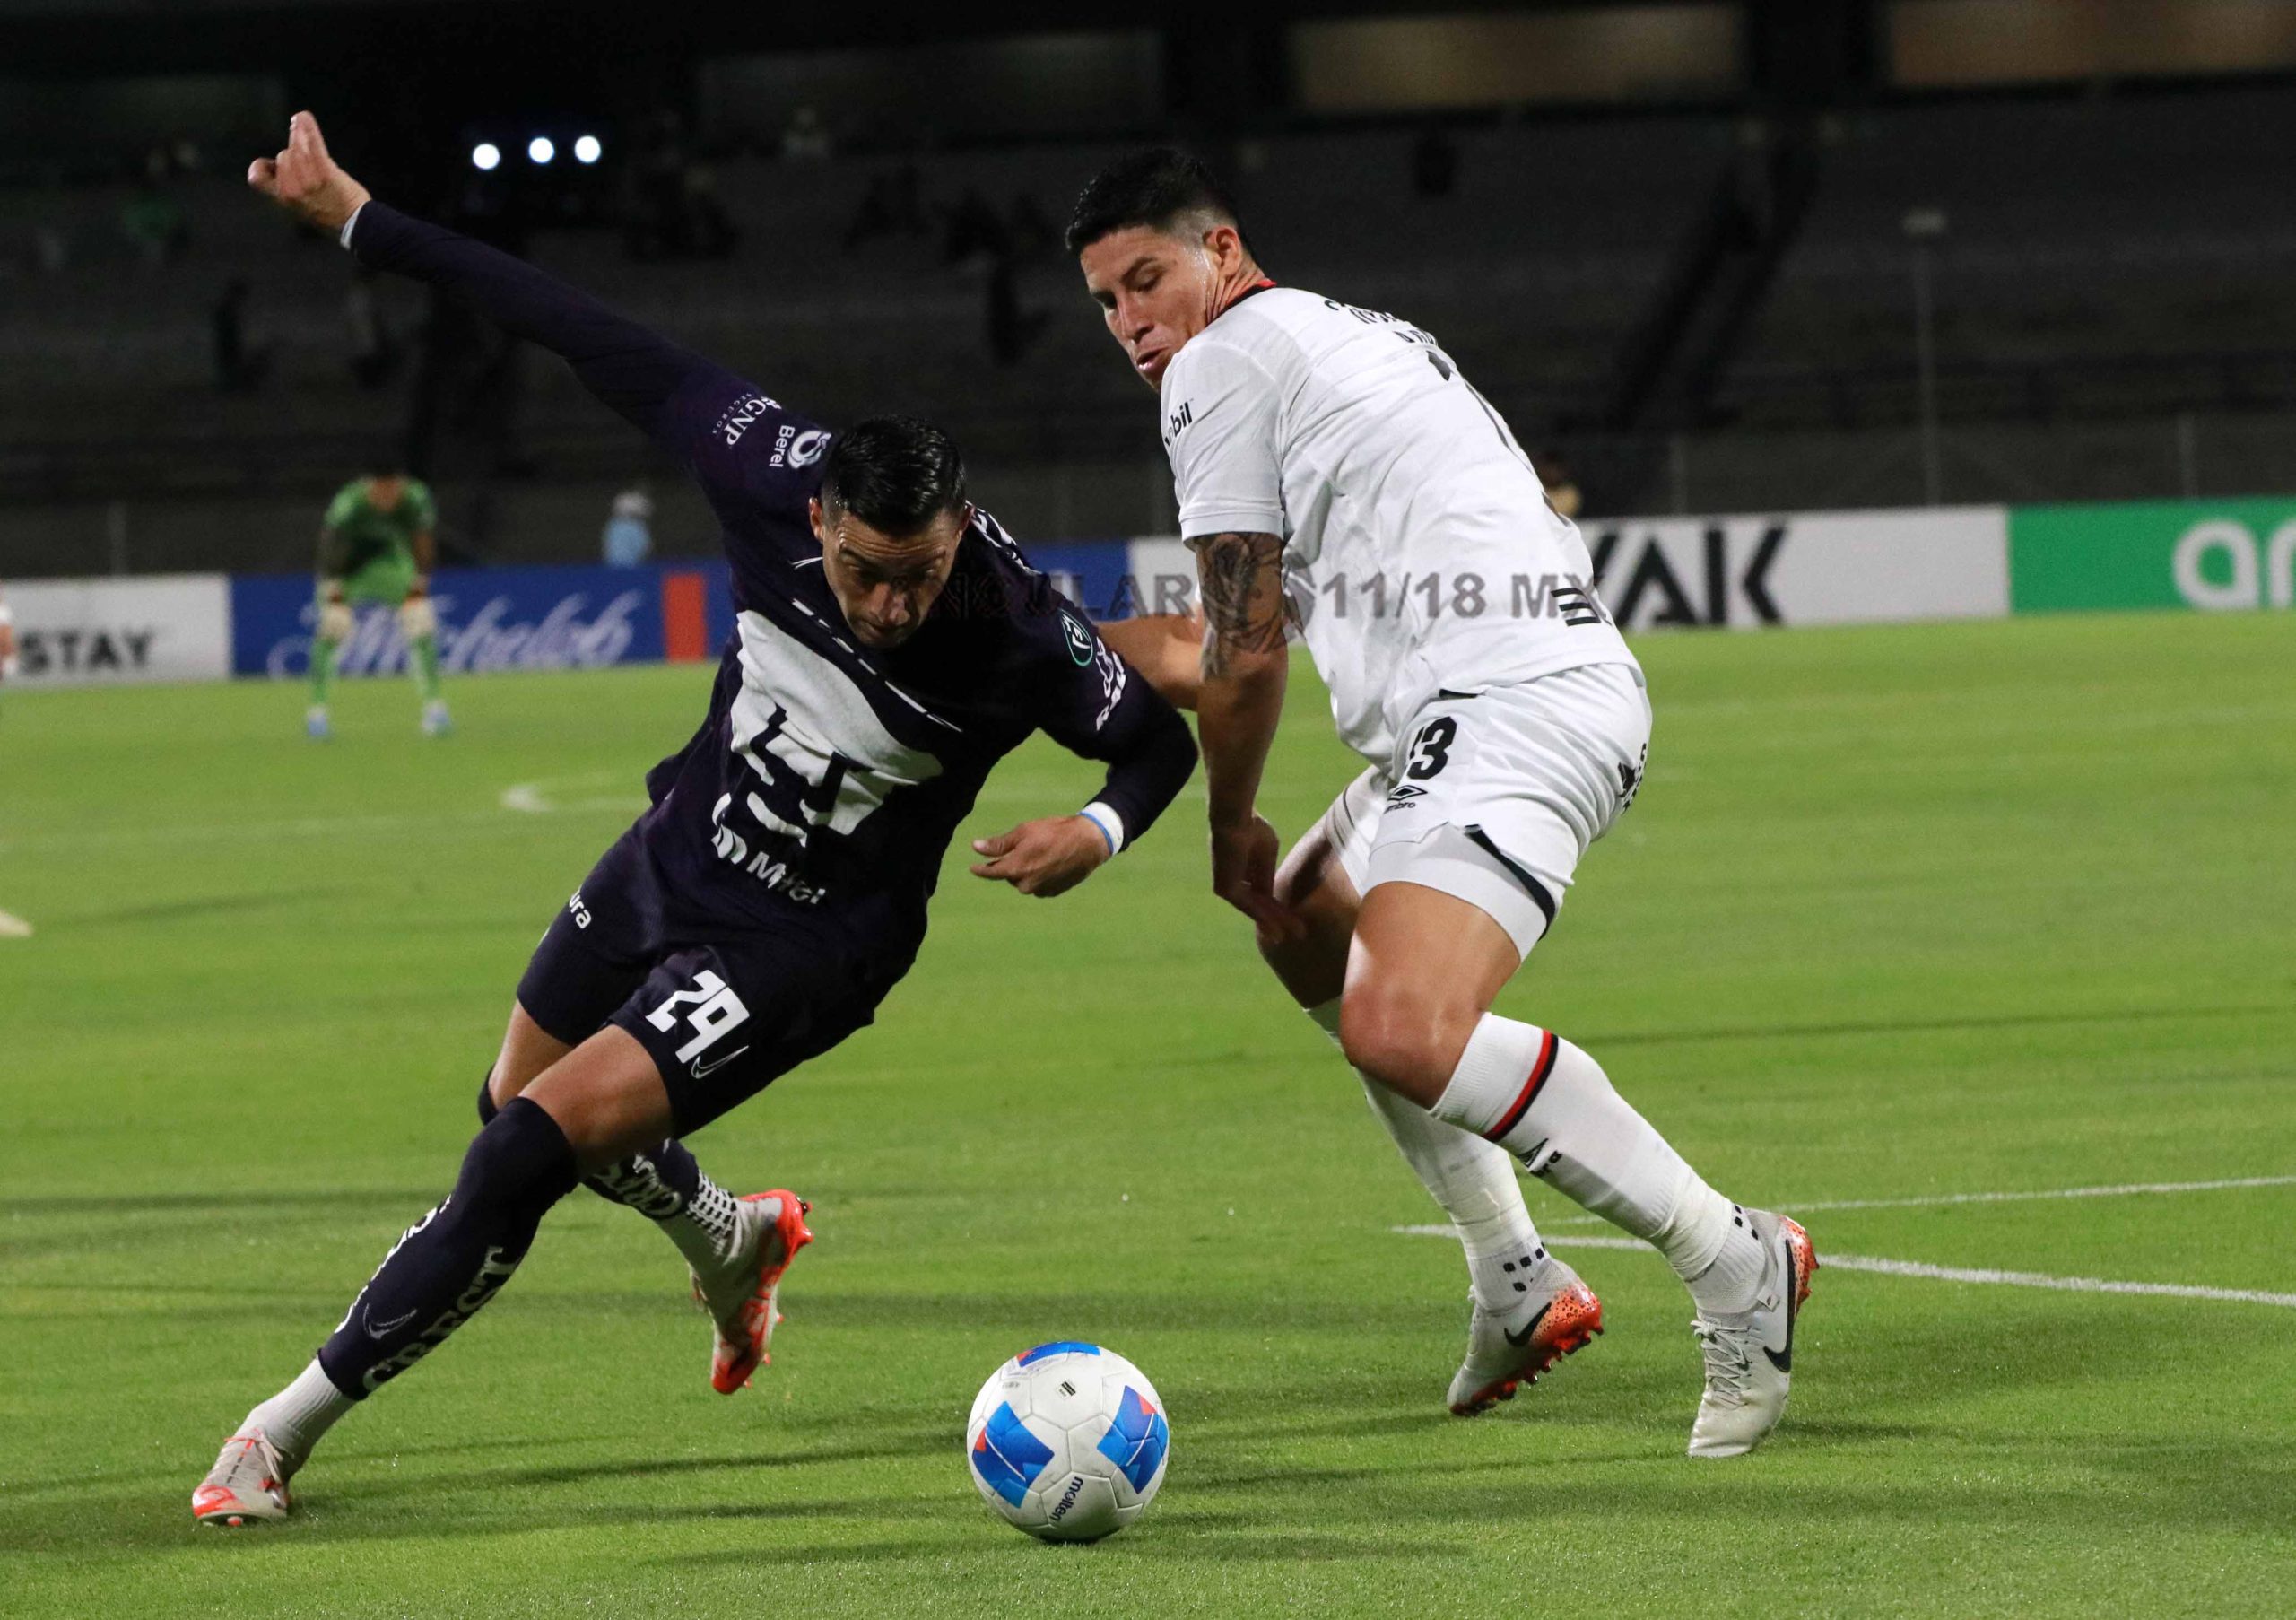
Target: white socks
(1550, 1105)
(707, 1231)
(1472, 1179)
(293, 1419)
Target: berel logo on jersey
(794, 448)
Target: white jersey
(1420, 551)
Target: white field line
(1830, 1260)
(2036, 1279)
(13, 927)
(534, 798)
(1940, 1200)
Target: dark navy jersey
(828, 778)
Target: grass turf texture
(1901, 912)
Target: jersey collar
(1254, 290)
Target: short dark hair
(896, 474)
(1154, 188)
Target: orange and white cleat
(247, 1482)
(740, 1301)
(1557, 1316)
(1750, 1354)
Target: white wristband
(346, 238)
(1108, 822)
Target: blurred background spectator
(628, 537)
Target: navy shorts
(724, 1010)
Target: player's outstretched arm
(671, 392)
(1246, 663)
(1092, 704)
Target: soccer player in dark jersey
(893, 645)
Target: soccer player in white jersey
(1335, 473)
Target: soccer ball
(1067, 1441)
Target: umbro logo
(1630, 778)
(1404, 793)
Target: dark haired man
(893, 645)
(1333, 468)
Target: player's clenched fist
(304, 180)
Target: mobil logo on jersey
(1806, 568)
(489, 619)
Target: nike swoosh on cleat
(1521, 1340)
(1785, 1362)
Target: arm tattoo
(1244, 610)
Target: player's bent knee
(335, 621)
(1401, 1040)
(522, 1159)
(606, 1096)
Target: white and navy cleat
(1750, 1353)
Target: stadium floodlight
(587, 149)
(541, 149)
(485, 155)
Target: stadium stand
(2107, 264)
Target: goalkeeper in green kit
(377, 546)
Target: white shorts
(1493, 797)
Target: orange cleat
(745, 1309)
(247, 1482)
(1507, 1350)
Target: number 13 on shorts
(715, 1010)
(1430, 749)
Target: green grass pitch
(1902, 914)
